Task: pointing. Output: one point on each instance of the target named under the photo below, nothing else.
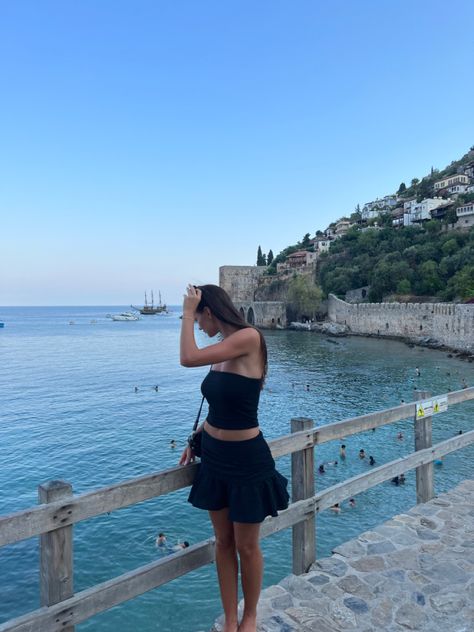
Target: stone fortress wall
(241, 283)
(450, 324)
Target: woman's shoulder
(247, 334)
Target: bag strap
(200, 408)
(198, 415)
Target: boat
(125, 316)
(150, 308)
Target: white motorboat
(125, 316)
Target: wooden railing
(59, 510)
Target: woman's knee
(248, 549)
(225, 541)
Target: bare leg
(251, 569)
(227, 566)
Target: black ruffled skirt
(240, 475)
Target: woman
(236, 481)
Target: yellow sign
(429, 407)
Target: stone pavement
(414, 572)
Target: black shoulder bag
(195, 438)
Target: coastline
(337, 330)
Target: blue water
(69, 410)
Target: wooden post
(423, 439)
(302, 486)
(56, 562)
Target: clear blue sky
(145, 143)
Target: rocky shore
(329, 328)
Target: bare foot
(230, 627)
(248, 624)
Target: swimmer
(395, 480)
(160, 540)
(335, 508)
(136, 389)
(438, 461)
(181, 545)
(352, 502)
(172, 443)
(464, 385)
(401, 479)
(331, 463)
(400, 436)
(402, 401)
(342, 451)
(321, 469)
(307, 387)
(156, 388)
(417, 372)
(459, 432)
(362, 454)
(371, 460)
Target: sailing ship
(151, 308)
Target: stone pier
(414, 572)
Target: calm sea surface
(69, 411)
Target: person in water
(236, 480)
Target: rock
(366, 564)
(380, 547)
(355, 586)
(359, 606)
(298, 587)
(319, 623)
(343, 616)
(447, 603)
(331, 565)
(410, 616)
(334, 329)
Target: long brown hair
(221, 306)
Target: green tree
(428, 282)
(404, 287)
(402, 188)
(260, 258)
(451, 216)
(269, 257)
(414, 182)
(305, 242)
(449, 247)
(433, 227)
(461, 285)
(304, 297)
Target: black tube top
(233, 400)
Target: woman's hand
(191, 300)
(188, 456)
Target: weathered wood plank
(26, 524)
(424, 439)
(362, 482)
(302, 487)
(104, 596)
(94, 600)
(34, 521)
(56, 560)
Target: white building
(458, 178)
(371, 210)
(465, 215)
(342, 226)
(421, 211)
(321, 244)
(456, 189)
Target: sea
(79, 403)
